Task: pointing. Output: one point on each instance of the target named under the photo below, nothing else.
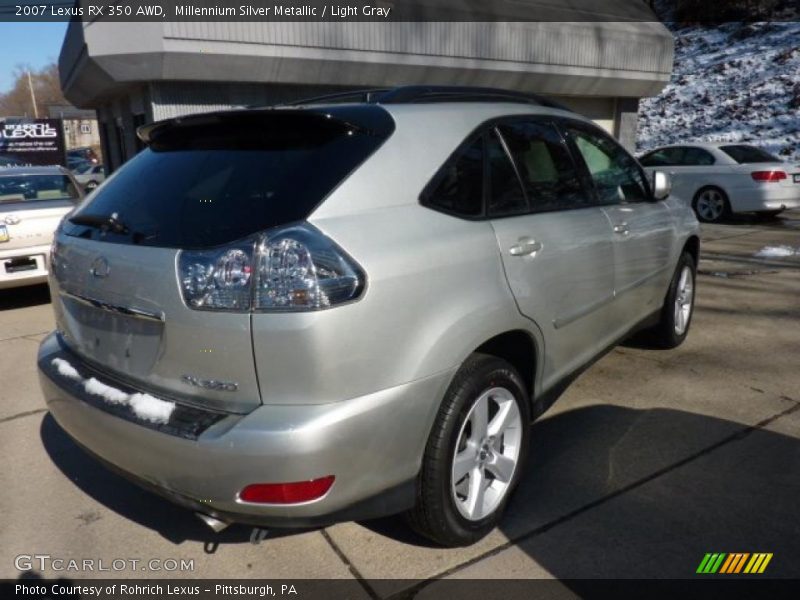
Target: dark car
(86, 153)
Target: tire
(673, 325)
(89, 187)
(711, 205)
(448, 512)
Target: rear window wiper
(104, 222)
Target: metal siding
(573, 59)
(174, 99)
(626, 46)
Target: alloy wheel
(683, 300)
(487, 454)
(710, 205)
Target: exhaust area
(215, 524)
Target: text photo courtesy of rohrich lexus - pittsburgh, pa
(394, 299)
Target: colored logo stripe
(733, 563)
(726, 565)
(758, 563)
(711, 563)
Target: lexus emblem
(11, 220)
(100, 267)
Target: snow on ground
(777, 252)
(734, 82)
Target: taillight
(286, 493)
(301, 269)
(768, 175)
(217, 279)
(294, 268)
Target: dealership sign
(31, 142)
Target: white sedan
(32, 202)
(724, 178)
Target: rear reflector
(286, 493)
(768, 175)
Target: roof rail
(446, 93)
(368, 96)
(431, 93)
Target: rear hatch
(203, 183)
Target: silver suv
(335, 311)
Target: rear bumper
(372, 445)
(32, 277)
(771, 197)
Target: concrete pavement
(648, 461)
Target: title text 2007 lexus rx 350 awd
(336, 311)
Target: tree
(46, 86)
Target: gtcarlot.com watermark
(46, 562)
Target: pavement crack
(734, 437)
(732, 236)
(23, 414)
(32, 336)
(735, 274)
(27, 336)
(350, 566)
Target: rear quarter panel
(435, 291)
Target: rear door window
(505, 191)
(697, 157)
(548, 173)
(216, 181)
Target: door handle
(622, 228)
(525, 247)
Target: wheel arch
(518, 348)
(692, 246)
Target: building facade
(81, 128)
(135, 73)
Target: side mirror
(662, 185)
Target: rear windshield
(30, 188)
(214, 182)
(749, 154)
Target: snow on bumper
(144, 406)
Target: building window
(86, 128)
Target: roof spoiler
(373, 121)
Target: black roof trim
(411, 94)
